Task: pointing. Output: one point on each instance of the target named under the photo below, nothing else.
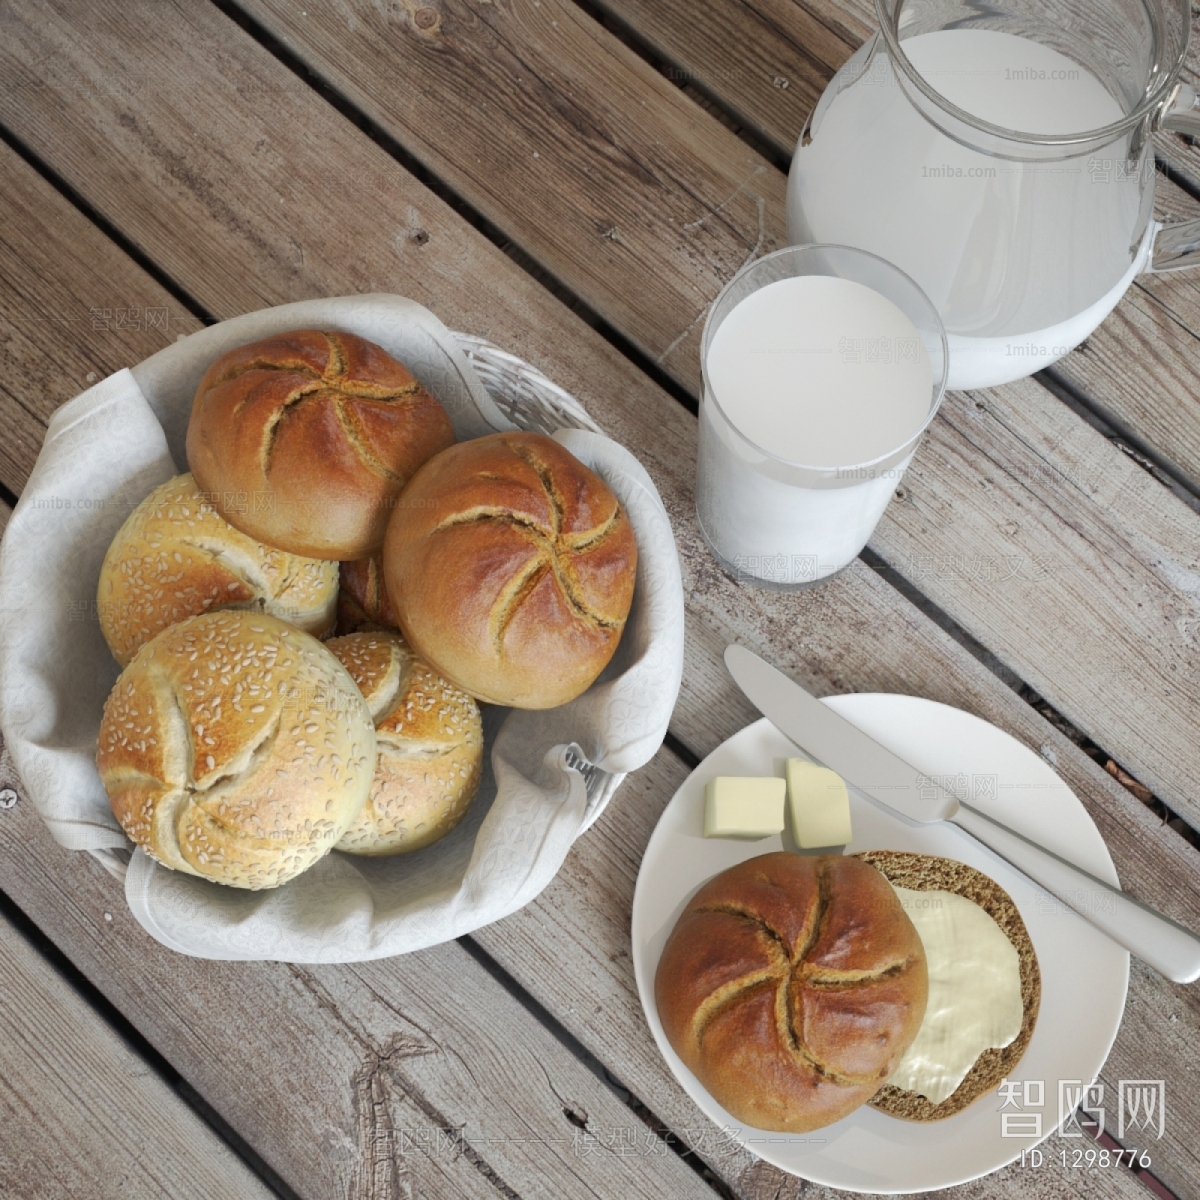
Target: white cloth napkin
(550, 775)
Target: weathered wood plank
(111, 319)
(854, 634)
(419, 1073)
(566, 140)
(643, 141)
(81, 1114)
(1019, 585)
(1140, 367)
(768, 60)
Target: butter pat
(818, 805)
(974, 992)
(743, 807)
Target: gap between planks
(396, 150)
(56, 1141)
(122, 1029)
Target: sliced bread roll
(925, 873)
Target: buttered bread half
(984, 986)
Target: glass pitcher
(1001, 155)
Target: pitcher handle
(1177, 246)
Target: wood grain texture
(592, 162)
(415, 1076)
(81, 1114)
(1141, 366)
(767, 60)
(53, 346)
(1028, 589)
(856, 633)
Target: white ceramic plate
(1084, 975)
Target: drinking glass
(788, 525)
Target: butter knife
(888, 780)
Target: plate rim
(645, 987)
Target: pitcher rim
(1102, 135)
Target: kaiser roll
(511, 568)
(791, 986)
(362, 598)
(305, 439)
(176, 556)
(236, 747)
(430, 747)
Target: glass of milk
(822, 366)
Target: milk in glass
(811, 383)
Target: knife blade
(841, 746)
(897, 785)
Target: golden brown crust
(236, 747)
(363, 602)
(791, 986)
(314, 434)
(176, 556)
(430, 747)
(511, 569)
(926, 872)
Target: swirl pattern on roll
(791, 986)
(236, 747)
(305, 440)
(511, 567)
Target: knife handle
(1157, 940)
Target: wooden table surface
(574, 180)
